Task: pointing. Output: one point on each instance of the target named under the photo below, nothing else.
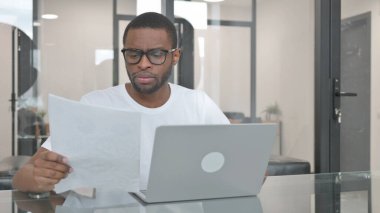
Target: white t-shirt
(184, 106)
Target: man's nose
(144, 62)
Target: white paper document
(102, 145)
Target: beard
(149, 89)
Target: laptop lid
(208, 161)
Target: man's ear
(176, 56)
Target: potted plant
(272, 112)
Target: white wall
(5, 91)
(231, 10)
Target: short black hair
(155, 21)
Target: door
(30, 123)
(355, 75)
(343, 86)
(352, 95)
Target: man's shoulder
(185, 91)
(190, 96)
(102, 93)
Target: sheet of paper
(102, 144)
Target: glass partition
(16, 33)
(222, 55)
(73, 53)
(285, 73)
(223, 66)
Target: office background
(74, 55)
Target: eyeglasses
(155, 56)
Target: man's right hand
(48, 169)
(41, 172)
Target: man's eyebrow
(155, 48)
(127, 48)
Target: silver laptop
(193, 162)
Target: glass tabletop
(354, 192)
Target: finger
(49, 173)
(44, 181)
(52, 156)
(39, 163)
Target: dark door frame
(327, 67)
(327, 127)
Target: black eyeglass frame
(142, 53)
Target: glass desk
(354, 192)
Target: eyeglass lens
(155, 56)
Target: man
(150, 52)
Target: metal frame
(168, 9)
(327, 129)
(115, 74)
(229, 23)
(13, 94)
(327, 45)
(253, 63)
(116, 18)
(327, 66)
(185, 76)
(335, 49)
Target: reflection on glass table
(336, 192)
(238, 204)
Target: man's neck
(154, 100)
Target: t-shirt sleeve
(85, 99)
(212, 113)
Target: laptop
(191, 162)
